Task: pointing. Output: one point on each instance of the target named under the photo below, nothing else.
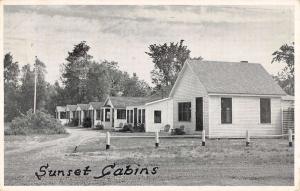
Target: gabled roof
(71, 107)
(83, 106)
(158, 101)
(123, 102)
(60, 108)
(96, 105)
(233, 78)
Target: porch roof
(60, 109)
(71, 107)
(96, 105)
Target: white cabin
(82, 112)
(119, 110)
(159, 114)
(60, 114)
(223, 98)
(71, 112)
(95, 112)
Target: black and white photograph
(149, 94)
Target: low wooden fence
(157, 137)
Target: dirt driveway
(59, 145)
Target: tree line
(83, 79)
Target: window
(131, 116)
(157, 116)
(74, 113)
(62, 115)
(127, 116)
(143, 115)
(121, 113)
(107, 114)
(98, 114)
(140, 116)
(85, 113)
(101, 114)
(135, 116)
(184, 111)
(265, 110)
(226, 110)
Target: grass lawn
(179, 161)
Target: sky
(124, 33)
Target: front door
(199, 114)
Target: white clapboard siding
(119, 123)
(245, 116)
(187, 89)
(166, 108)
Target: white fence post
(247, 138)
(203, 137)
(290, 138)
(156, 139)
(107, 140)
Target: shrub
(178, 131)
(99, 126)
(167, 128)
(87, 122)
(130, 127)
(127, 128)
(124, 128)
(139, 128)
(35, 123)
(74, 122)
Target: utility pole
(35, 80)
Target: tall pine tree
(75, 72)
(11, 88)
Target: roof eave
(245, 94)
(157, 101)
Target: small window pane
(101, 114)
(157, 116)
(140, 116)
(131, 116)
(127, 116)
(121, 114)
(98, 114)
(62, 115)
(143, 115)
(184, 111)
(265, 110)
(226, 110)
(107, 114)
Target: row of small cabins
(224, 98)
